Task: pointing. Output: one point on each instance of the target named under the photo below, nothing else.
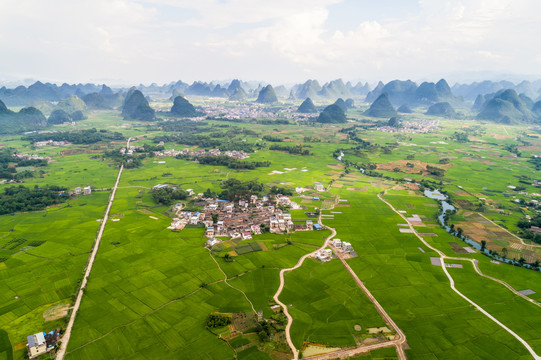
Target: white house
(337, 243)
(87, 190)
(36, 345)
(346, 246)
(319, 187)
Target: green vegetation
(136, 107)
(267, 95)
(332, 114)
(307, 106)
(381, 107)
(182, 107)
(151, 289)
(90, 136)
(26, 119)
(442, 109)
(20, 198)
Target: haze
(128, 41)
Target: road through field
(281, 287)
(66, 337)
(452, 281)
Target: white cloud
(135, 40)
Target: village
(243, 218)
(416, 126)
(239, 155)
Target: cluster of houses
(202, 153)
(130, 150)
(32, 157)
(417, 126)
(339, 246)
(51, 142)
(87, 190)
(41, 343)
(242, 219)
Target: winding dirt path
(452, 281)
(67, 334)
(281, 287)
(231, 286)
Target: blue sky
(279, 41)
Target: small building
(210, 232)
(346, 246)
(87, 190)
(299, 189)
(315, 198)
(324, 255)
(211, 242)
(36, 345)
(319, 187)
(78, 191)
(189, 192)
(253, 199)
(318, 227)
(309, 225)
(337, 243)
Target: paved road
(67, 334)
(452, 282)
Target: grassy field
(151, 289)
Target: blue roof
(197, 213)
(220, 200)
(318, 227)
(316, 198)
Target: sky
(127, 42)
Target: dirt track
(452, 282)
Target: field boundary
(452, 282)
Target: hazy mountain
(350, 103)
(360, 89)
(536, 109)
(267, 95)
(479, 102)
(381, 107)
(441, 109)
(310, 88)
(26, 119)
(470, 91)
(136, 107)
(58, 116)
(103, 101)
(199, 88)
(238, 95)
(398, 91)
(281, 91)
(182, 107)
(71, 104)
(334, 89)
(22, 96)
(341, 104)
(332, 114)
(307, 106)
(526, 100)
(404, 109)
(505, 107)
(236, 90)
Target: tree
(459, 232)
(214, 218)
(504, 252)
(483, 245)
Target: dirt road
(67, 334)
(452, 282)
(281, 287)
